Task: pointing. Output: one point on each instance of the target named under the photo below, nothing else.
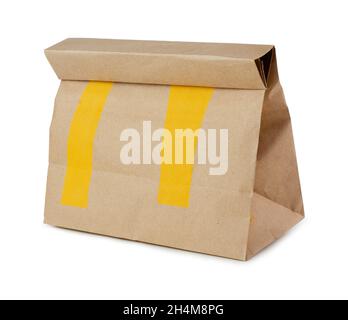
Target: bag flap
(156, 62)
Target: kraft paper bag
(184, 145)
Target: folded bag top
(154, 62)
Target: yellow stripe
(80, 144)
(186, 110)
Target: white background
(38, 261)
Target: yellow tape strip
(186, 110)
(80, 144)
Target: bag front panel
(90, 188)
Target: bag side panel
(277, 183)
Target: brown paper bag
(185, 145)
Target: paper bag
(184, 145)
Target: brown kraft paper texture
(113, 165)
